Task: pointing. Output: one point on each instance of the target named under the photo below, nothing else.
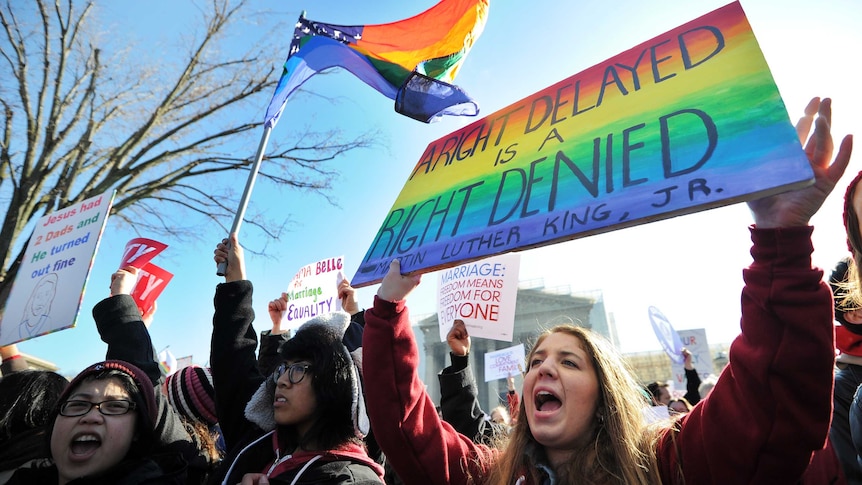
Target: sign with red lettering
(687, 121)
(139, 251)
(701, 357)
(313, 291)
(483, 294)
(47, 293)
(503, 363)
(152, 280)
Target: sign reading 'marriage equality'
(687, 121)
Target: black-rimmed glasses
(115, 407)
(295, 372)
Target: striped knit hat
(191, 393)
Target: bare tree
(78, 121)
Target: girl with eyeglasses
(302, 423)
(125, 329)
(104, 433)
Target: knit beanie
(191, 393)
(140, 378)
(259, 409)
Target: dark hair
(654, 388)
(145, 429)
(684, 402)
(332, 384)
(28, 400)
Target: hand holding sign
(396, 286)
(123, 280)
(686, 357)
(139, 278)
(458, 339)
(795, 208)
(347, 296)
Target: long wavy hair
(622, 445)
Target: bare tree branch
(79, 119)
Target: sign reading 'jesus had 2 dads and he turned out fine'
(49, 287)
(686, 121)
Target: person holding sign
(126, 332)
(459, 397)
(692, 379)
(581, 419)
(271, 340)
(105, 430)
(302, 423)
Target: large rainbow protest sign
(687, 121)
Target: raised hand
(796, 207)
(347, 295)
(686, 355)
(458, 338)
(395, 286)
(277, 309)
(229, 250)
(123, 281)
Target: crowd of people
(339, 399)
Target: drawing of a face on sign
(667, 336)
(37, 313)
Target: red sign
(152, 280)
(140, 251)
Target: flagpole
(246, 195)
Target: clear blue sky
(689, 267)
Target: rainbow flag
(412, 61)
(168, 362)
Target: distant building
(655, 365)
(36, 363)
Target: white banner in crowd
(481, 293)
(313, 291)
(502, 363)
(183, 362)
(701, 358)
(47, 293)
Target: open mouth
(85, 444)
(545, 401)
